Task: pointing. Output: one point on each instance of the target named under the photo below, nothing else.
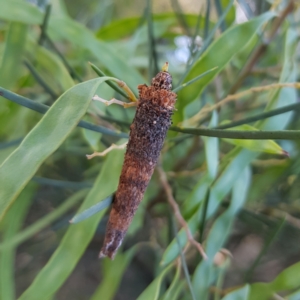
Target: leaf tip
(285, 153)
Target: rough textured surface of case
(147, 135)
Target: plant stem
(261, 116)
(242, 135)
(42, 108)
(40, 80)
(114, 86)
(44, 26)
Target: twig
(45, 24)
(113, 85)
(237, 96)
(242, 134)
(40, 80)
(103, 153)
(114, 101)
(42, 108)
(261, 116)
(186, 172)
(174, 205)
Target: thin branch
(242, 135)
(230, 134)
(262, 116)
(120, 87)
(39, 79)
(71, 70)
(44, 26)
(114, 101)
(230, 98)
(109, 149)
(174, 205)
(180, 87)
(42, 108)
(62, 183)
(151, 42)
(204, 212)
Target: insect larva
(147, 134)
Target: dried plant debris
(147, 134)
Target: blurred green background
(239, 197)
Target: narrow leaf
(43, 140)
(153, 290)
(78, 236)
(92, 210)
(13, 52)
(266, 146)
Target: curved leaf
(50, 67)
(11, 60)
(78, 236)
(112, 274)
(124, 27)
(34, 228)
(92, 210)
(82, 37)
(153, 290)
(20, 11)
(44, 139)
(11, 225)
(267, 146)
(239, 294)
(74, 32)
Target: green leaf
(11, 225)
(76, 34)
(124, 27)
(50, 67)
(266, 146)
(173, 250)
(92, 210)
(230, 43)
(113, 271)
(205, 273)
(238, 160)
(239, 294)
(44, 139)
(219, 190)
(13, 52)
(93, 138)
(78, 236)
(288, 279)
(37, 226)
(212, 150)
(81, 37)
(20, 11)
(284, 96)
(230, 18)
(153, 290)
(172, 290)
(260, 291)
